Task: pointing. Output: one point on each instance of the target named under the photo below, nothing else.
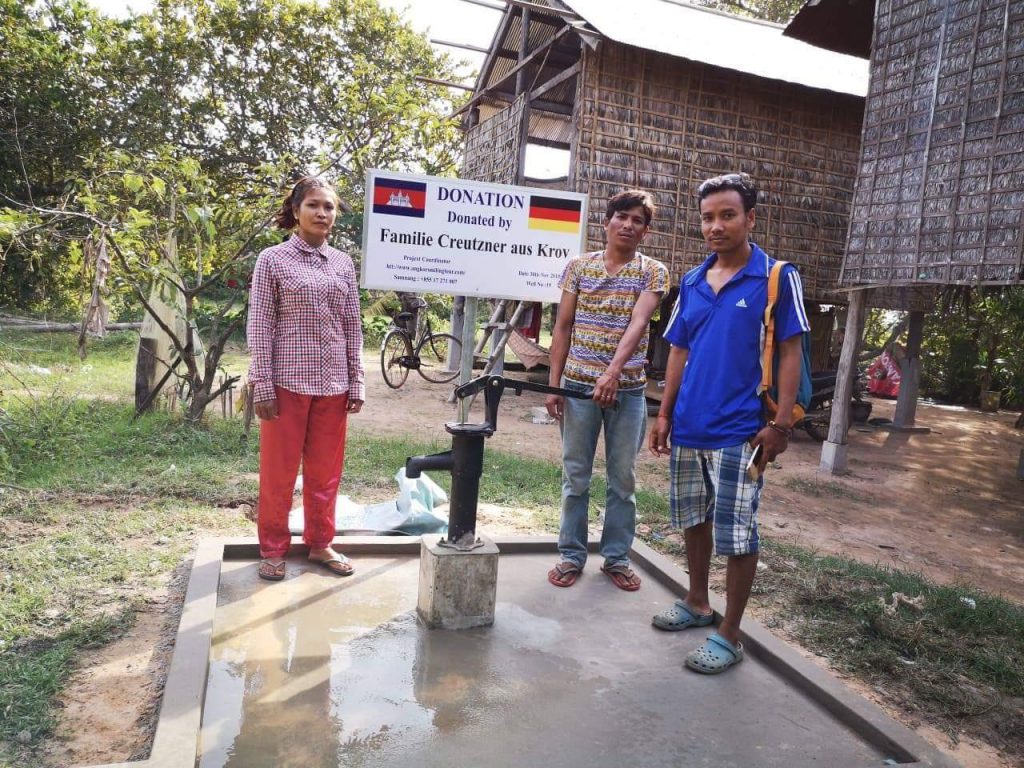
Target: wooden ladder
(497, 323)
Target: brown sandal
(271, 571)
(339, 565)
(564, 574)
(623, 577)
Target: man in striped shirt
(599, 346)
(713, 412)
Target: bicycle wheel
(433, 355)
(396, 346)
(816, 425)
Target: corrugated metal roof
(731, 42)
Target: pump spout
(414, 465)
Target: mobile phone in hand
(754, 465)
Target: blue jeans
(624, 429)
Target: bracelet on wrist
(787, 431)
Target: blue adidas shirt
(717, 405)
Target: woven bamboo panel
(939, 197)
(665, 124)
(492, 147)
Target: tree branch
(178, 346)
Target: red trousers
(310, 429)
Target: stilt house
(659, 94)
(939, 196)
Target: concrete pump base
(320, 671)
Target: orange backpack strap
(769, 326)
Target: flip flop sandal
(339, 565)
(681, 616)
(269, 571)
(564, 574)
(623, 577)
(715, 656)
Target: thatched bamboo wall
(492, 147)
(940, 189)
(665, 124)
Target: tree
(169, 227)
(51, 93)
(972, 342)
(238, 83)
(231, 84)
(779, 11)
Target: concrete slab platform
(322, 671)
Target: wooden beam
(544, 10)
(484, 92)
(483, 4)
(445, 83)
(524, 51)
(523, 93)
(540, 105)
(533, 56)
(464, 46)
(557, 80)
(551, 143)
(499, 37)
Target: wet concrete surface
(320, 671)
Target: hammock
(530, 353)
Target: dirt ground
(946, 504)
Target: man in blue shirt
(711, 412)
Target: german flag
(554, 214)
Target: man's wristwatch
(787, 431)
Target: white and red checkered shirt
(304, 329)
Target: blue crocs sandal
(715, 656)
(681, 616)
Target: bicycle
(428, 353)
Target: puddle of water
(320, 671)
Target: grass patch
(65, 444)
(826, 488)
(73, 577)
(956, 658)
(32, 674)
(112, 506)
(48, 362)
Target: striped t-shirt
(604, 304)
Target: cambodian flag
(399, 198)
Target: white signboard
(425, 234)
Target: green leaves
(213, 104)
(133, 182)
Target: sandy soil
(947, 504)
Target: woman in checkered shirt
(305, 342)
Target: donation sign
(425, 234)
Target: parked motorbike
(819, 410)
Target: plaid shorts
(712, 485)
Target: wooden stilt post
(834, 450)
(910, 381)
(468, 354)
(456, 318)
